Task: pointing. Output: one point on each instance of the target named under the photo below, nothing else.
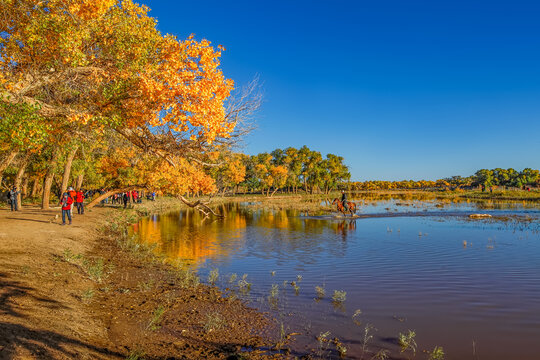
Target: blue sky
(401, 89)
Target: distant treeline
(484, 178)
(287, 170)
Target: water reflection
(460, 280)
(189, 236)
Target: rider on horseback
(344, 200)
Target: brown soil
(57, 302)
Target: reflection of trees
(189, 236)
(186, 235)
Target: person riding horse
(344, 200)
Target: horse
(351, 206)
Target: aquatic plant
(243, 284)
(232, 278)
(272, 273)
(298, 278)
(295, 287)
(320, 291)
(436, 354)
(213, 276)
(367, 338)
(340, 347)
(322, 340)
(381, 355)
(339, 296)
(407, 341)
(355, 316)
(274, 291)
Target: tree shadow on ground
(41, 343)
(45, 344)
(11, 289)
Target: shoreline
(87, 290)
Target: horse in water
(350, 205)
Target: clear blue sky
(401, 89)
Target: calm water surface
(405, 266)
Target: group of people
(132, 196)
(67, 200)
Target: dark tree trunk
(48, 180)
(20, 175)
(67, 169)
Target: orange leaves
(90, 9)
(180, 179)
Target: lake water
(470, 286)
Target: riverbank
(87, 291)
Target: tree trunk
(19, 176)
(67, 169)
(47, 182)
(80, 179)
(25, 187)
(5, 163)
(34, 187)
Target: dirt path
(42, 310)
(69, 292)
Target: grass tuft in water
(339, 296)
(274, 291)
(213, 276)
(407, 341)
(436, 354)
(320, 292)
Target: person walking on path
(73, 194)
(125, 199)
(66, 201)
(13, 198)
(79, 202)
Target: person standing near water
(66, 201)
(13, 198)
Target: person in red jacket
(79, 202)
(66, 201)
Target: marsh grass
(214, 321)
(95, 269)
(87, 295)
(322, 342)
(339, 296)
(356, 316)
(145, 285)
(367, 339)
(320, 292)
(157, 317)
(436, 354)
(407, 341)
(213, 276)
(243, 284)
(382, 354)
(136, 354)
(274, 291)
